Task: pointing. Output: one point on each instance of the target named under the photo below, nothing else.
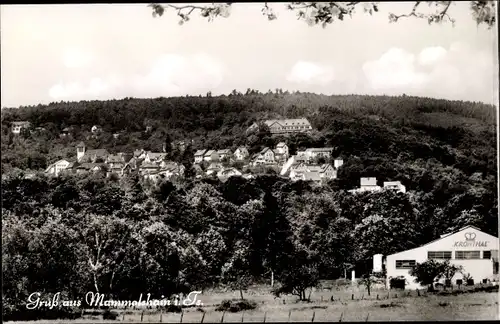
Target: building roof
(62, 160)
(392, 183)
(210, 152)
(87, 166)
(138, 152)
(325, 166)
(441, 237)
(81, 144)
(288, 122)
(156, 155)
(224, 151)
(115, 158)
(242, 148)
(97, 152)
(281, 144)
(20, 123)
(368, 181)
(264, 150)
(200, 153)
(146, 165)
(320, 149)
(314, 176)
(215, 165)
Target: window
(462, 255)
(439, 255)
(486, 254)
(405, 264)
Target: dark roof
(97, 152)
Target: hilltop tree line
(123, 237)
(372, 131)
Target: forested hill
(370, 129)
(443, 152)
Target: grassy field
(348, 305)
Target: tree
(325, 13)
(236, 271)
(367, 280)
(427, 272)
(300, 274)
(105, 242)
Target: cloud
(395, 69)
(436, 71)
(77, 58)
(431, 55)
(311, 73)
(169, 75)
(178, 75)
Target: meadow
(349, 304)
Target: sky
(52, 53)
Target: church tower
(80, 151)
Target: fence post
(366, 320)
(142, 316)
(203, 317)
(418, 293)
(265, 315)
(377, 296)
(222, 318)
(341, 316)
(182, 314)
(123, 316)
(352, 297)
(289, 315)
(314, 314)
(161, 315)
(242, 314)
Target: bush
(397, 283)
(237, 305)
(109, 315)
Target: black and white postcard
(249, 162)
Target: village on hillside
(314, 164)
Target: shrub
(109, 315)
(397, 283)
(235, 306)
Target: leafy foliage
(324, 13)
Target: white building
(198, 156)
(241, 153)
(57, 167)
(324, 152)
(367, 184)
(18, 125)
(395, 185)
(474, 250)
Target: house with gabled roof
(59, 166)
(92, 156)
(224, 153)
(210, 155)
(155, 157)
(199, 156)
(241, 153)
(265, 156)
(17, 126)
